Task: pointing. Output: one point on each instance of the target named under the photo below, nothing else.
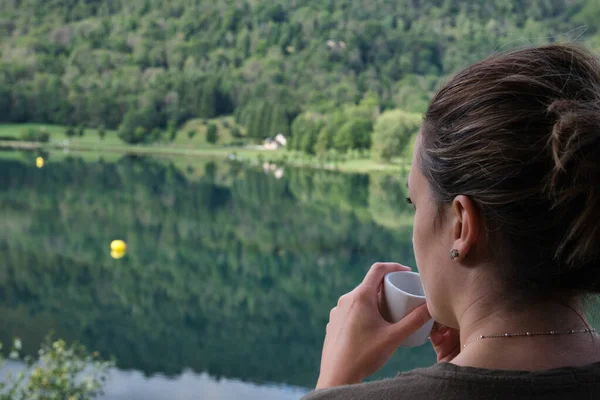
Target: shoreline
(242, 154)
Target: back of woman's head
(519, 134)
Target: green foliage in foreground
(61, 372)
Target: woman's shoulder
(452, 381)
(411, 384)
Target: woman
(506, 189)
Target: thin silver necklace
(509, 335)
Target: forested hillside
(150, 63)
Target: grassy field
(192, 145)
(58, 135)
(91, 137)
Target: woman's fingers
(378, 271)
(446, 342)
(408, 325)
(382, 305)
(437, 333)
(358, 340)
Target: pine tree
(212, 134)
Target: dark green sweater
(446, 381)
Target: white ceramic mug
(403, 292)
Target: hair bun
(574, 182)
(566, 113)
(519, 134)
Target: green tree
(136, 127)
(102, 132)
(332, 125)
(191, 134)
(35, 135)
(61, 372)
(4, 101)
(324, 141)
(212, 133)
(140, 134)
(235, 132)
(156, 135)
(70, 132)
(354, 134)
(172, 130)
(307, 142)
(80, 130)
(253, 116)
(305, 130)
(392, 132)
(265, 119)
(589, 15)
(279, 121)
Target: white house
(281, 140)
(274, 144)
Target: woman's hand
(445, 341)
(358, 339)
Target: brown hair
(519, 133)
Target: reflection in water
(133, 385)
(229, 271)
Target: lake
(229, 275)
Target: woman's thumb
(410, 324)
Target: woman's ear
(466, 220)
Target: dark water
(230, 271)
(228, 280)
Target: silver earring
(454, 254)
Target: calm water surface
(229, 275)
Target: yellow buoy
(118, 246)
(39, 162)
(117, 254)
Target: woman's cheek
(416, 240)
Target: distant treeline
(147, 64)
